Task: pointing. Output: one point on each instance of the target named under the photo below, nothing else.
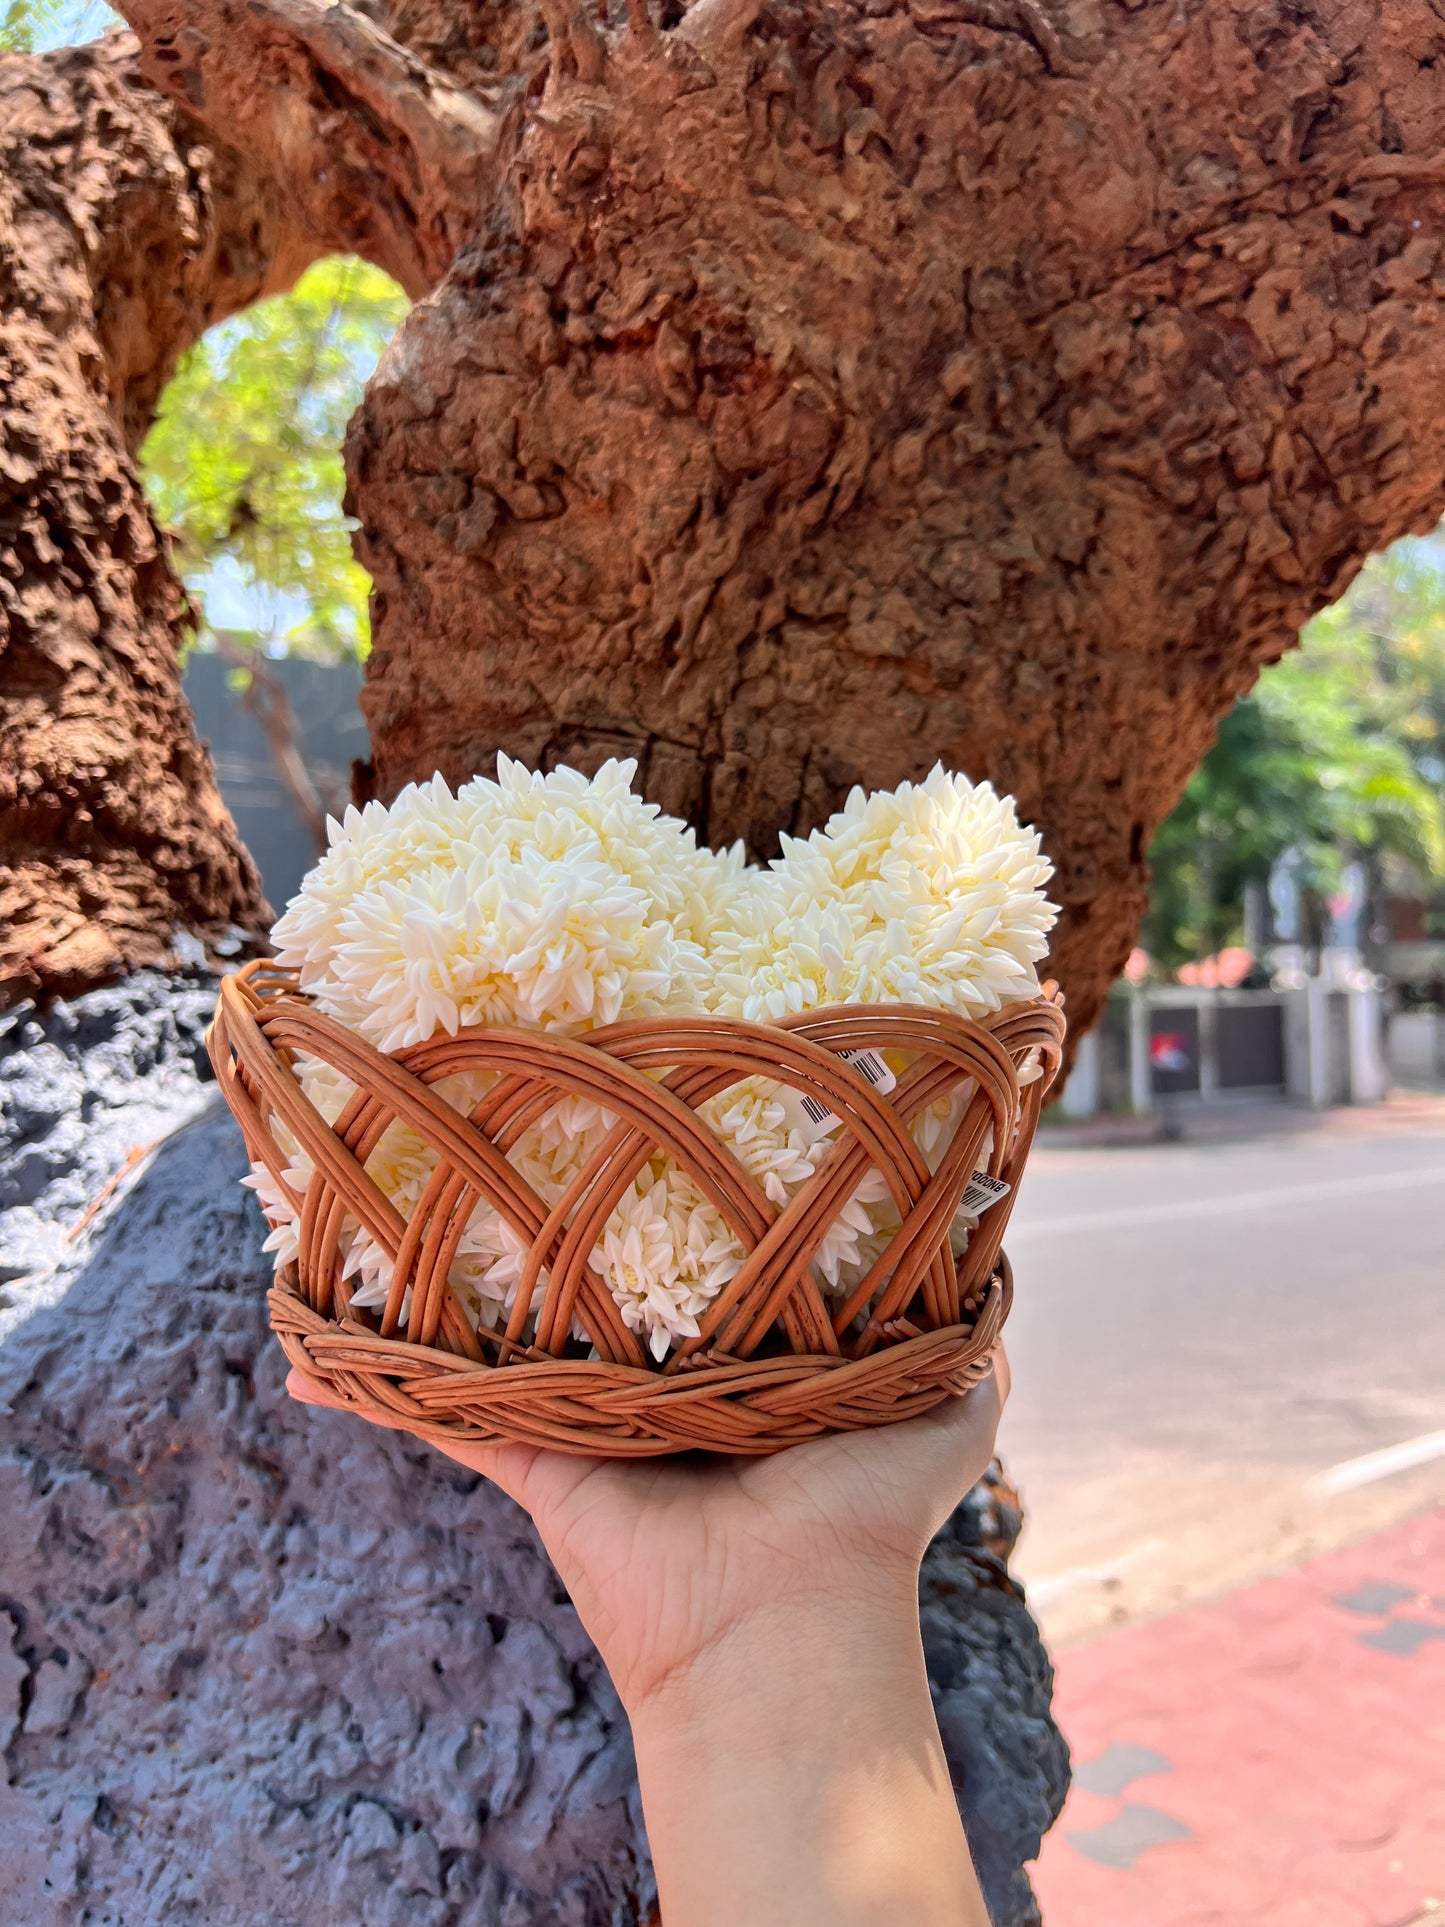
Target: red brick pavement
(1274, 1758)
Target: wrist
(805, 1645)
(801, 1749)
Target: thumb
(506, 1466)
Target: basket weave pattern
(776, 1360)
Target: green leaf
(1339, 750)
(244, 466)
(32, 26)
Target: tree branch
(383, 156)
(266, 701)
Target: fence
(1319, 1044)
(1417, 1046)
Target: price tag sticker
(869, 1064)
(982, 1192)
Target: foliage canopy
(1339, 751)
(244, 463)
(31, 26)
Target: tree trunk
(818, 391)
(121, 240)
(996, 382)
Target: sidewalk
(1239, 1119)
(1273, 1758)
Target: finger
(959, 1436)
(1003, 1373)
(310, 1391)
(314, 1391)
(496, 1462)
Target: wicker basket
(776, 1361)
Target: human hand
(668, 1561)
(759, 1618)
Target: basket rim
(778, 1357)
(599, 1409)
(273, 983)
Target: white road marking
(1352, 1473)
(1210, 1207)
(1039, 1590)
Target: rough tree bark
(123, 236)
(824, 389)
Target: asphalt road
(1207, 1335)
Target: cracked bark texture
(122, 238)
(833, 388)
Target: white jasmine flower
(781, 1151)
(934, 1127)
(525, 810)
(665, 1255)
(561, 1141)
(773, 960)
(930, 894)
(283, 1238)
(857, 1234)
(549, 945)
(487, 1267)
(547, 901)
(324, 1086)
(368, 847)
(330, 1092)
(770, 1134)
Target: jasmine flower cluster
(560, 902)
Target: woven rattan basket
(776, 1361)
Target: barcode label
(869, 1064)
(982, 1192)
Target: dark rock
(992, 1683)
(270, 1664)
(282, 1619)
(85, 1084)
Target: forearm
(793, 1777)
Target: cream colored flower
(775, 958)
(283, 1237)
(765, 1127)
(934, 1127)
(665, 1255)
(927, 894)
(556, 901)
(858, 1233)
(771, 1138)
(556, 1147)
(565, 902)
(525, 810)
(370, 846)
(324, 1086)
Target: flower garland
(561, 902)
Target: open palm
(663, 1558)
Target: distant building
(1413, 954)
(323, 697)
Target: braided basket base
(775, 1358)
(621, 1411)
